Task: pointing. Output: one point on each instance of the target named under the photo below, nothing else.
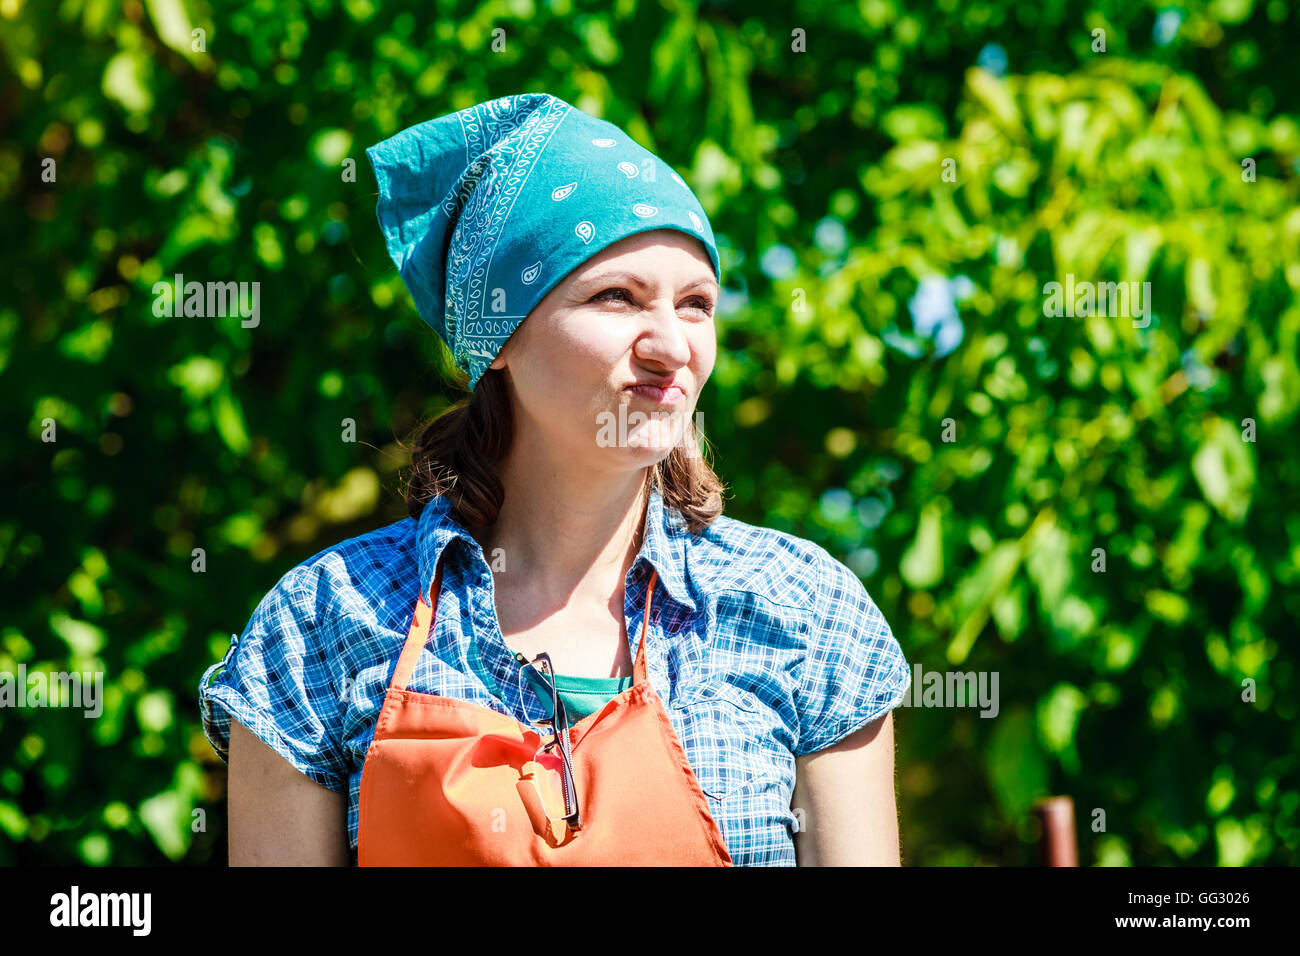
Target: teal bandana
(486, 210)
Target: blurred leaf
(1224, 469)
(922, 565)
(330, 146)
(229, 420)
(167, 815)
(1017, 767)
(127, 80)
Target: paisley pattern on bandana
(484, 211)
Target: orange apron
(447, 782)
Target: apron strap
(639, 669)
(421, 625)
(426, 613)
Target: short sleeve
(277, 680)
(854, 669)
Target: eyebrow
(631, 278)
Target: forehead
(660, 255)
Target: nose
(664, 342)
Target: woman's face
(608, 367)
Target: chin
(656, 439)
(647, 441)
(648, 457)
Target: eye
(700, 302)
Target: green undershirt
(586, 695)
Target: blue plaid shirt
(762, 646)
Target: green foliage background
(828, 410)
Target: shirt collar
(436, 529)
(663, 546)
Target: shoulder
(361, 567)
(781, 568)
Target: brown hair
(457, 452)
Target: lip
(659, 394)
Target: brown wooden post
(1056, 845)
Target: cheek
(588, 347)
(569, 369)
(704, 352)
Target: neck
(565, 535)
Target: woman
(566, 655)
